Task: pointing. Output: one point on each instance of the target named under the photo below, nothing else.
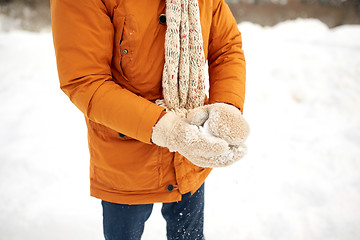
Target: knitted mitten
(225, 121)
(178, 135)
(233, 154)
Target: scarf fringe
(181, 112)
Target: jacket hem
(135, 198)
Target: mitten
(232, 155)
(224, 121)
(176, 134)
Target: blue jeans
(184, 219)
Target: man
(110, 57)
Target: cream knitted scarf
(183, 78)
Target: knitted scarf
(183, 78)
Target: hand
(225, 121)
(178, 135)
(232, 155)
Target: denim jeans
(184, 219)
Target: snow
(204, 129)
(300, 179)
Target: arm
(226, 58)
(83, 37)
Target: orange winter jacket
(110, 56)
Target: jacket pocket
(105, 132)
(122, 166)
(118, 22)
(125, 181)
(125, 45)
(128, 166)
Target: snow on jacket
(110, 56)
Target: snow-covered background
(300, 180)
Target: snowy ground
(300, 180)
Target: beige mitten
(225, 121)
(178, 135)
(233, 154)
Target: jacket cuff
(148, 121)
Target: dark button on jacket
(121, 135)
(170, 187)
(162, 18)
